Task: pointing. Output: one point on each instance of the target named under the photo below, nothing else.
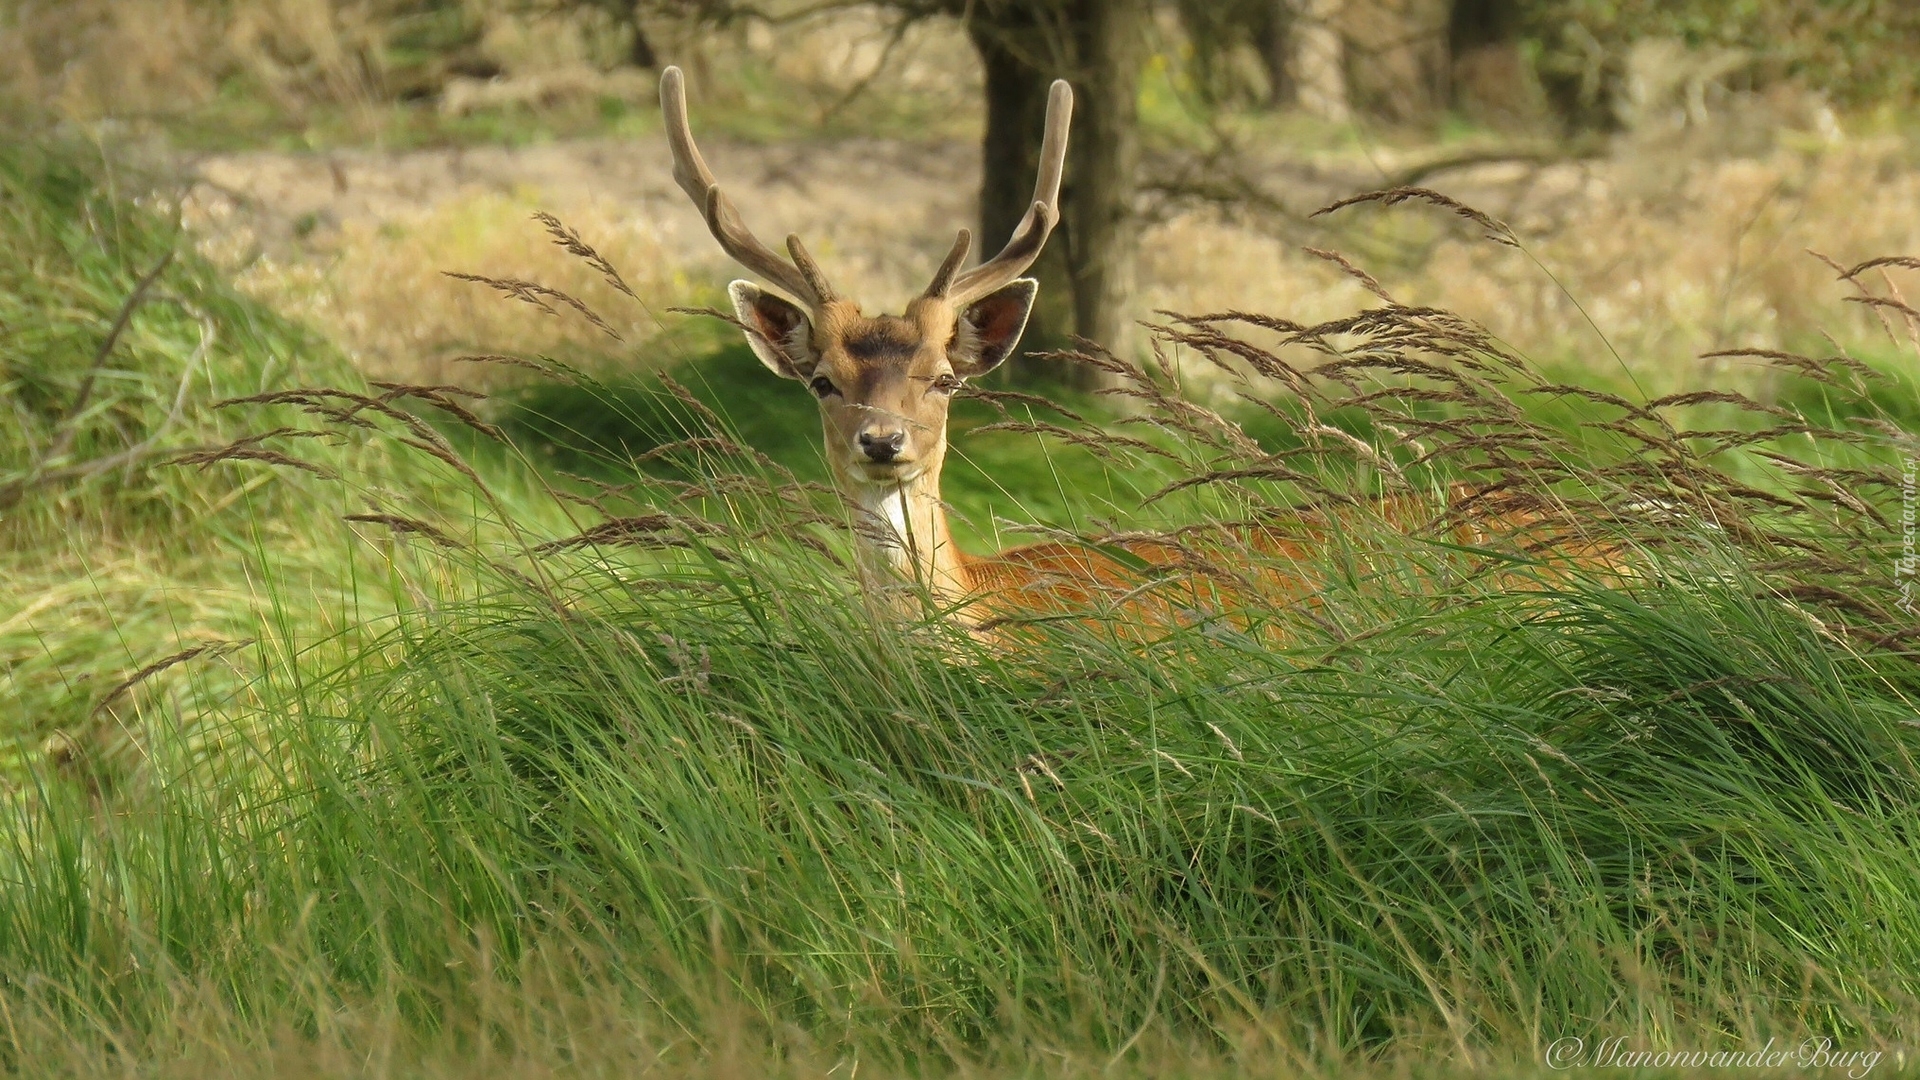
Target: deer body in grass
(885, 384)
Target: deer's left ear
(991, 327)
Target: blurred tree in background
(1099, 46)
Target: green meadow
(379, 730)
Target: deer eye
(822, 387)
(946, 384)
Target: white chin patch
(889, 504)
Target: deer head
(884, 382)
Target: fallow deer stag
(885, 383)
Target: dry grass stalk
(1365, 279)
(205, 458)
(442, 398)
(999, 399)
(570, 242)
(1497, 231)
(647, 531)
(211, 649)
(532, 292)
(406, 525)
(547, 370)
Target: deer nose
(882, 448)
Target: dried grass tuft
(210, 650)
(404, 525)
(1497, 231)
(532, 292)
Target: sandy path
(1669, 251)
(878, 213)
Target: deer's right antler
(802, 277)
(1031, 234)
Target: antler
(1031, 234)
(802, 277)
(943, 277)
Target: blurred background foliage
(1862, 52)
(1401, 58)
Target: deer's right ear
(777, 329)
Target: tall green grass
(629, 779)
(117, 344)
(107, 563)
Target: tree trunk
(1088, 267)
(1398, 63)
(1273, 31)
(1318, 63)
(1016, 99)
(641, 52)
(1103, 233)
(1493, 82)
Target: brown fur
(1242, 573)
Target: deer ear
(777, 329)
(991, 327)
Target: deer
(885, 383)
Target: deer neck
(901, 534)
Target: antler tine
(943, 277)
(1041, 217)
(816, 280)
(723, 220)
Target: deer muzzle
(881, 447)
